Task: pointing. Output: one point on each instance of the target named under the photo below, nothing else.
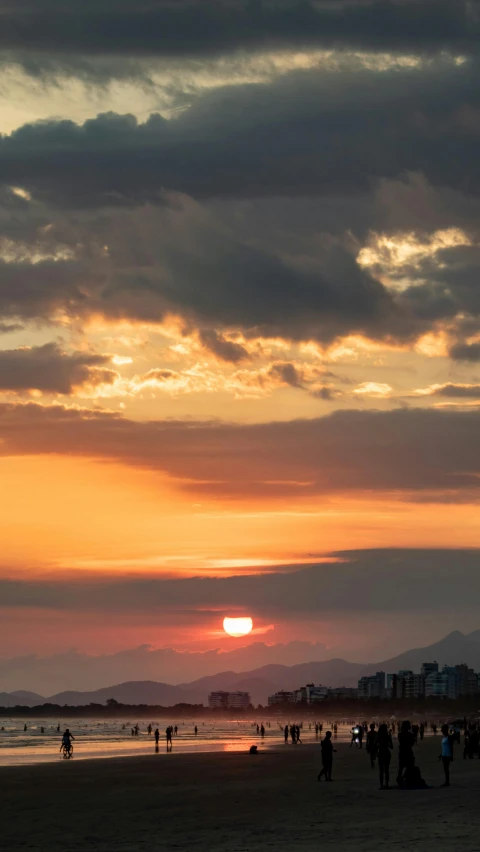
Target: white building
(229, 700)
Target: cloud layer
(414, 452)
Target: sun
(237, 627)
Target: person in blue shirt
(447, 754)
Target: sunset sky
(239, 323)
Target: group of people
(294, 732)
(379, 747)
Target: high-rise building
(282, 697)
(372, 686)
(229, 700)
(428, 669)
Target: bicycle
(67, 751)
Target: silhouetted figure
(297, 733)
(327, 757)
(406, 759)
(157, 736)
(372, 744)
(293, 734)
(58, 728)
(66, 745)
(447, 754)
(434, 728)
(335, 730)
(415, 730)
(133, 732)
(316, 729)
(285, 734)
(262, 731)
(136, 729)
(253, 749)
(175, 730)
(196, 730)
(149, 730)
(24, 728)
(384, 752)
(422, 731)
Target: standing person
(422, 731)
(285, 734)
(372, 744)
(360, 736)
(157, 736)
(447, 754)
(327, 757)
(406, 759)
(196, 730)
(384, 749)
(262, 730)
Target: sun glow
(237, 627)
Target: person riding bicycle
(67, 741)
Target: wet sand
(236, 803)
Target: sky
(239, 325)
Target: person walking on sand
(285, 734)
(157, 736)
(384, 753)
(327, 757)
(447, 754)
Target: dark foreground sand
(236, 803)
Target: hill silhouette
(261, 682)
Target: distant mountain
(261, 682)
(21, 697)
(132, 692)
(454, 648)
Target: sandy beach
(236, 802)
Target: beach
(236, 802)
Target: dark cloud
(226, 350)
(416, 453)
(48, 368)
(461, 391)
(387, 580)
(466, 352)
(304, 134)
(204, 28)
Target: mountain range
(260, 682)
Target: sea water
(96, 738)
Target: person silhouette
(384, 750)
(327, 757)
(446, 755)
(372, 744)
(406, 759)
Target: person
(446, 755)
(415, 730)
(327, 757)
(168, 734)
(285, 734)
(422, 731)
(149, 730)
(406, 759)
(196, 730)
(67, 741)
(372, 744)
(335, 730)
(262, 730)
(157, 736)
(384, 749)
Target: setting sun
(237, 627)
